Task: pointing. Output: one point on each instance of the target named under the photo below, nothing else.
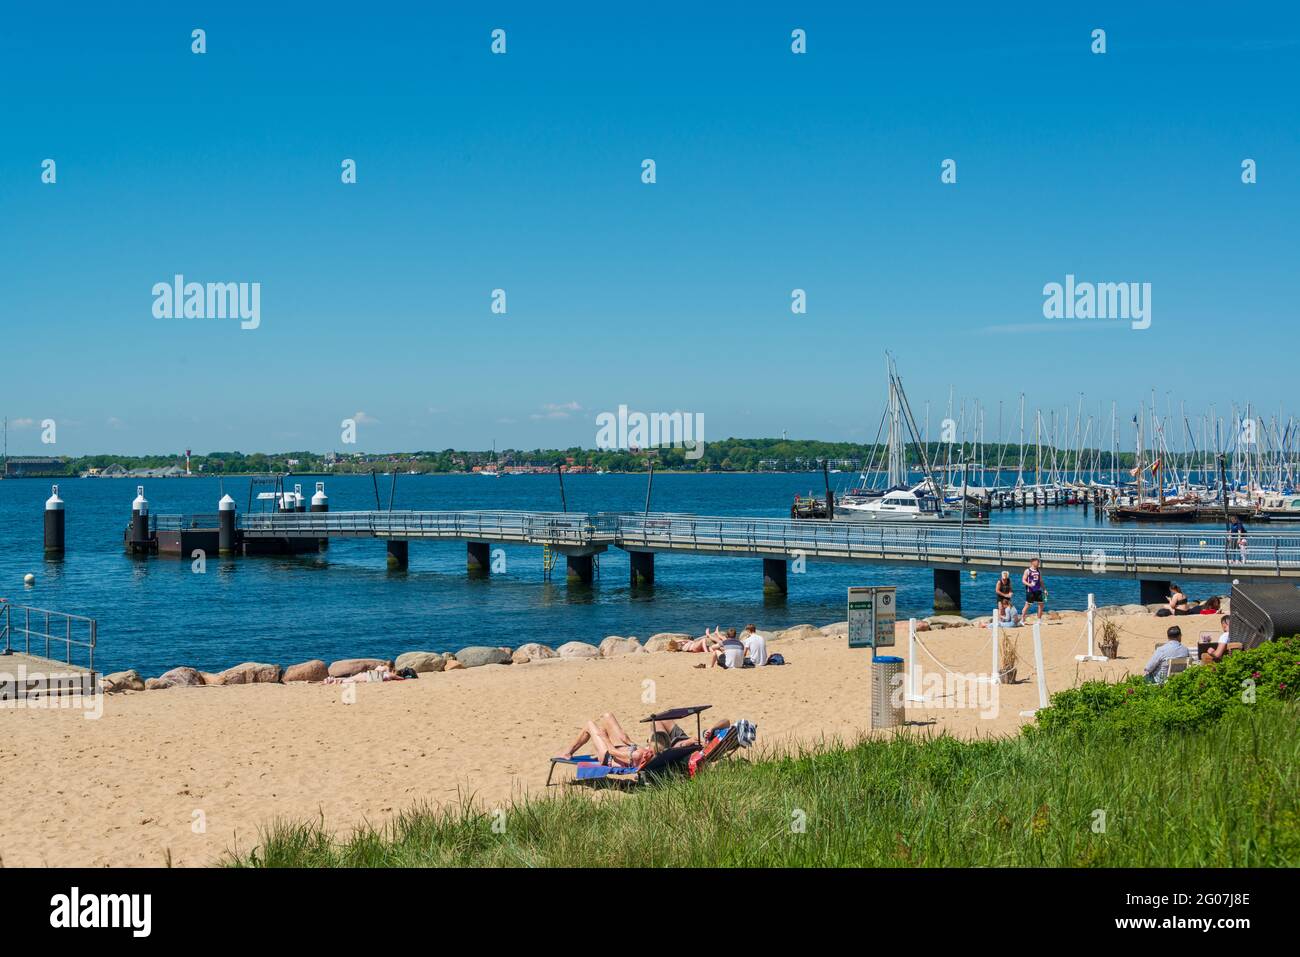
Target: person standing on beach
(1035, 593)
(1002, 592)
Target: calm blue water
(155, 613)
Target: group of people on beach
(1035, 594)
(1177, 604)
(746, 650)
(1209, 650)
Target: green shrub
(1192, 699)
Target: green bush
(1193, 699)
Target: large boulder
(177, 678)
(660, 641)
(531, 652)
(453, 665)
(250, 673)
(348, 667)
(421, 661)
(314, 670)
(1134, 610)
(128, 680)
(839, 629)
(577, 649)
(479, 655)
(939, 622)
(799, 631)
(614, 646)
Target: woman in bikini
(710, 641)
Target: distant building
(26, 466)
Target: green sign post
(871, 616)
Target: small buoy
(972, 574)
(1202, 543)
(29, 579)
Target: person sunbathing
(613, 745)
(709, 641)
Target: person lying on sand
(613, 746)
(709, 641)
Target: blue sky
(523, 172)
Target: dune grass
(1227, 795)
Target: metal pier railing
(22, 627)
(1105, 552)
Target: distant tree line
(725, 455)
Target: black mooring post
(393, 490)
(649, 484)
(375, 481)
(1227, 521)
(559, 471)
(830, 500)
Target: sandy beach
(189, 773)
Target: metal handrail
(47, 634)
(1120, 550)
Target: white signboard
(871, 616)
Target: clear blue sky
(522, 171)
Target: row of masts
(1074, 448)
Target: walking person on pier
(1238, 532)
(1035, 592)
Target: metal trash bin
(886, 692)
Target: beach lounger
(575, 760)
(674, 759)
(589, 768)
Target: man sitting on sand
(1171, 649)
(613, 746)
(755, 646)
(731, 653)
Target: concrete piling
(774, 576)
(643, 568)
(947, 590)
(581, 569)
(478, 558)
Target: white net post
(1092, 633)
(913, 692)
(1039, 670)
(997, 663)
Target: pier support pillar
(54, 525)
(774, 572)
(397, 552)
(947, 590)
(581, 569)
(643, 568)
(1153, 592)
(478, 558)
